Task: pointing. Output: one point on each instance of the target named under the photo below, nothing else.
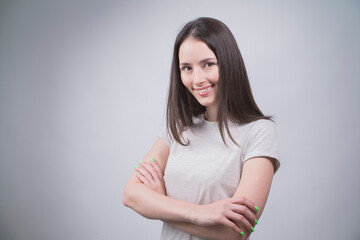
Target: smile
(205, 91)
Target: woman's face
(199, 71)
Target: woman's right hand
(150, 174)
(236, 213)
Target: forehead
(194, 50)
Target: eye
(185, 68)
(209, 64)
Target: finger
(244, 201)
(143, 179)
(231, 225)
(244, 211)
(145, 173)
(152, 171)
(240, 220)
(156, 165)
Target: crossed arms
(230, 218)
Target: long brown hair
(236, 102)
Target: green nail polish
(252, 229)
(137, 173)
(256, 208)
(242, 233)
(151, 159)
(136, 166)
(141, 161)
(256, 221)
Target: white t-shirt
(207, 170)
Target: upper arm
(160, 152)
(261, 161)
(256, 177)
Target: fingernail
(151, 159)
(136, 166)
(252, 229)
(256, 221)
(242, 233)
(256, 208)
(141, 161)
(137, 173)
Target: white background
(83, 88)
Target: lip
(211, 87)
(198, 89)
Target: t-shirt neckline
(203, 119)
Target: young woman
(209, 173)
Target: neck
(211, 113)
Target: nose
(198, 76)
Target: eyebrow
(202, 61)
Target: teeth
(204, 90)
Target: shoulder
(261, 141)
(261, 125)
(261, 130)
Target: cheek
(215, 77)
(215, 74)
(186, 81)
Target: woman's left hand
(150, 174)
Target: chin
(206, 103)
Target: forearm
(216, 232)
(153, 205)
(176, 213)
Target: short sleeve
(262, 142)
(163, 134)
